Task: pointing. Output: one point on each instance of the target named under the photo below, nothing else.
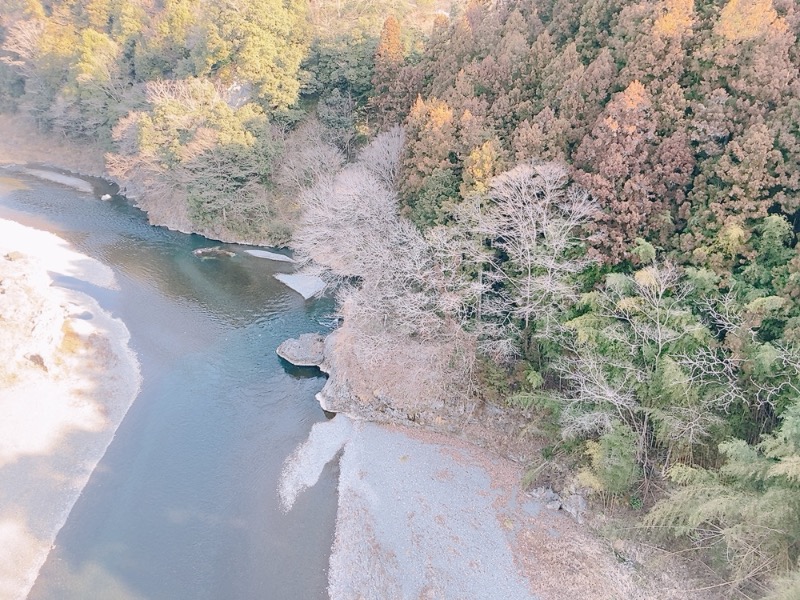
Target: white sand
(67, 378)
(74, 182)
(304, 467)
(307, 286)
(270, 255)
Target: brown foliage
(620, 161)
(701, 132)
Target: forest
(583, 213)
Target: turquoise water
(184, 503)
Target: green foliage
(337, 112)
(82, 63)
(704, 282)
(785, 588)
(12, 87)
(342, 63)
(216, 162)
(165, 52)
(226, 187)
(262, 42)
(750, 507)
(531, 395)
(644, 251)
(613, 465)
(495, 381)
(641, 352)
(435, 198)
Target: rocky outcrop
(305, 351)
(354, 388)
(336, 396)
(574, 504)
(213, 252)
(345, 393)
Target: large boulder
(305, 351)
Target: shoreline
(21, 143)
(69, 377)
(427, 512)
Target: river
(184, 503)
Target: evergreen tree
(750, 507)
(388, 61)
(620, 160)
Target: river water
(184, 503)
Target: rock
(305, 351)
(544, 494)
(105, 197)
(213, 252)
(575, 506)
(553, 505)
(37, 360)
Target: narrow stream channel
(184, 503)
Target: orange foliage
(677, 20)
(748, 19)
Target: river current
(184, 503)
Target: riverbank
(68, 378)
(424, 515)
(441, 514)
(21, 143)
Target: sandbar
(75, 183)
(307, 286)
(270, 255)
(67, 379)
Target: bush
(614, 469)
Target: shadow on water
(184, 502)
(300, 372)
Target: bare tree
(383, 156)
(652, 304)
(22, 43)
(535, 220)
(404, 295)
(595, 401)
(306, 160)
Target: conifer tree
(388, 61)
(617, 162)
(750, 507)
(430, 182)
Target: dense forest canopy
(585, 211)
